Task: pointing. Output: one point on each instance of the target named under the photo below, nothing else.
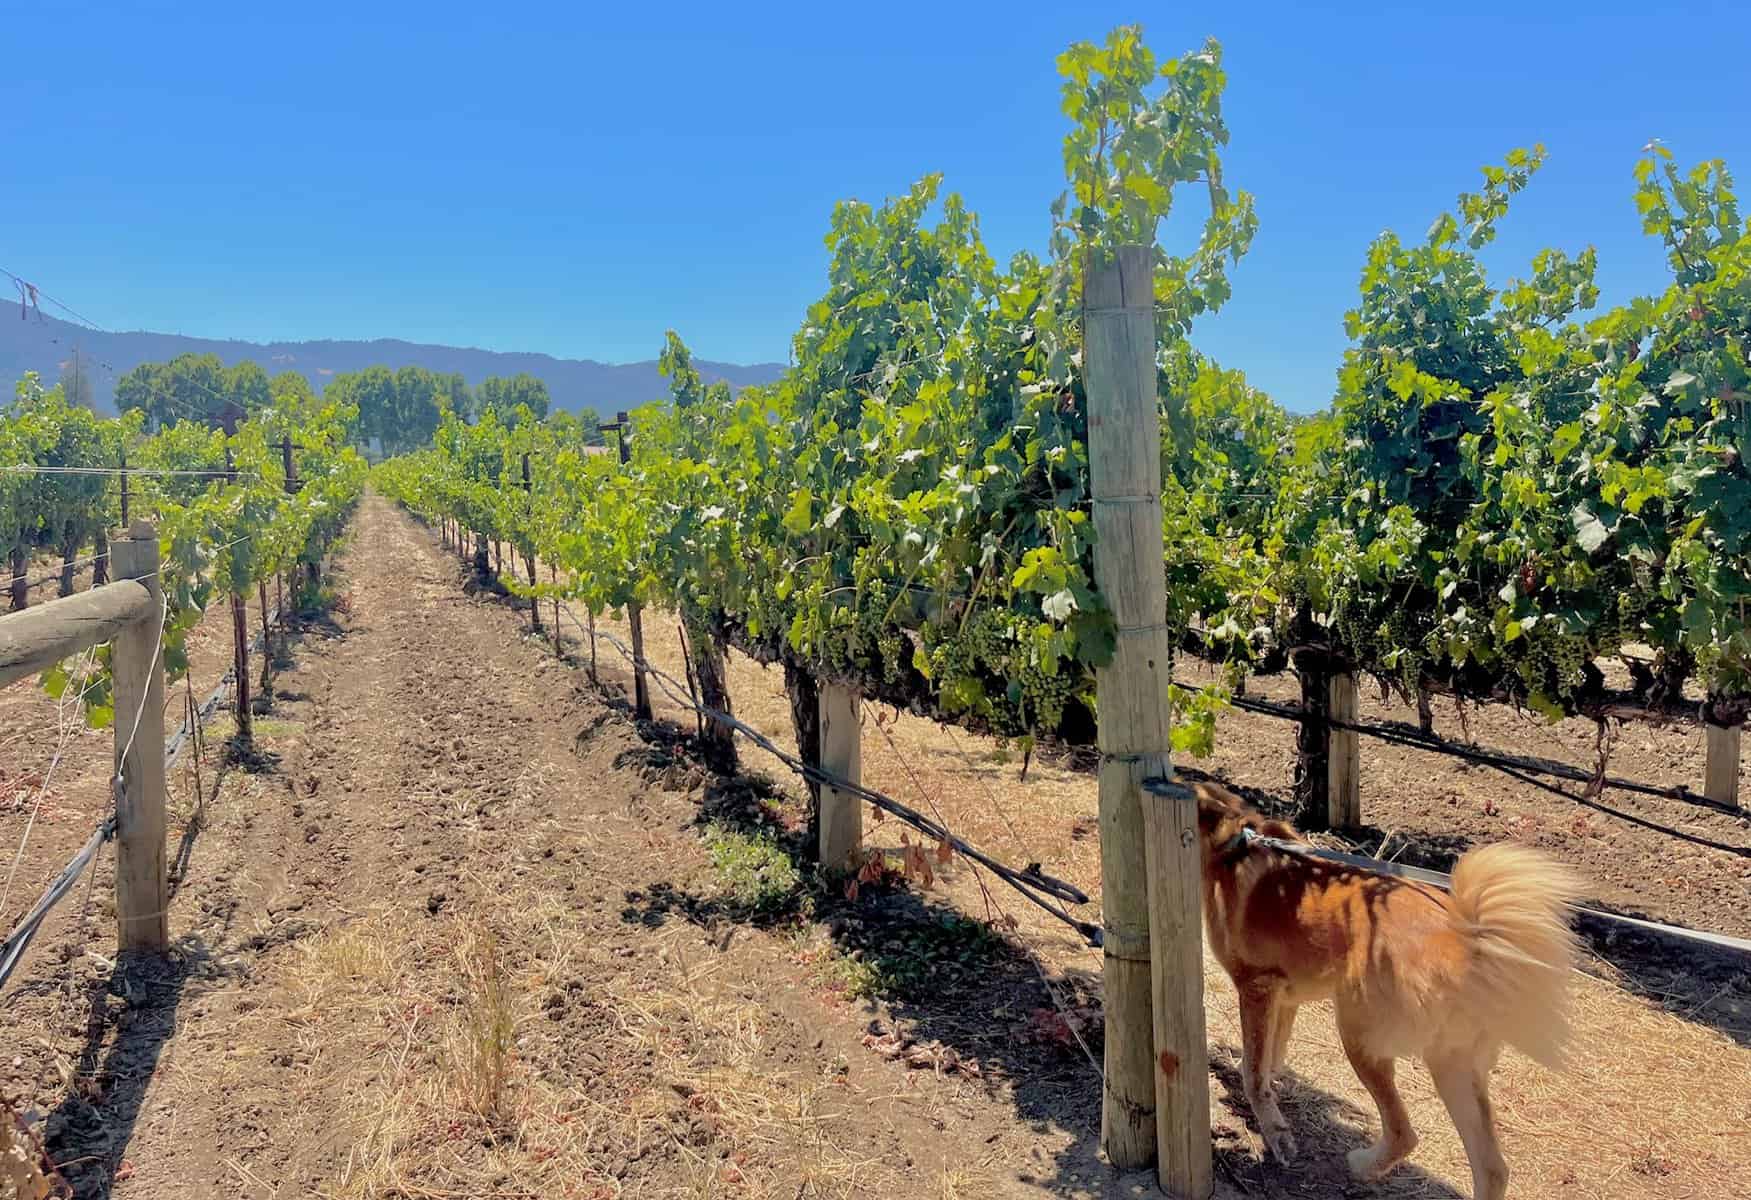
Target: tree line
(398, 410)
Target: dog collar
(1237, 846)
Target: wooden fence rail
(128, 613)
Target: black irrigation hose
(1032, 883)
(18, 941)
(1403, 735)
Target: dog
(1410, 969)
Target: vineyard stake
(1344, 756)
(1313, 738)
(267, 641)
(1721, 773)
(641, 691)
(553, 574)
(138, 670)
(1156, 1100)
(529, 555)
(841, 755)
(239, 641)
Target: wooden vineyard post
(529, 558)
(1721, 774)
(641, 690)
(138, 666)
(1156, 1101)
(1343, 755)
(289, 470)
(553, 574)
(1313, 774)
(239, 642)
(841, 755)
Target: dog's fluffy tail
(1515, 902)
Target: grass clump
(754, 872)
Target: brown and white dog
(1410, 969)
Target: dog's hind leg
(1463, 1082)
(1281, 1027)
(1397, 1138)
(1260, 1000)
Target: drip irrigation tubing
(1032, 883)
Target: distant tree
(454, 394)
(291, 390)
(293, 396)
(400, 410)
(501, 397)
(190, 387)
(419, 394)
(246, 385)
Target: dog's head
(1223, 816)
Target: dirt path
(447, 940)
(467, 931)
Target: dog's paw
(1281, 1144)
(1364, 1163)
(1369, 1163)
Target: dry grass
(457, 1046)
(1653, 1105)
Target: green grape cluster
(893, 650)
(1045, 695)
(1553, 664)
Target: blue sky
(577, 178)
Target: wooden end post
(841, 755)
(138, 665)
(1721, 774)
(1343, 755)
(1156, 1099)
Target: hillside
(47, 345)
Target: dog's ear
(1214, 807)
(1281, 830)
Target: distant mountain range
(47, 346)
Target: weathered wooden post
(239, 642)
(529, 553)
(841, 813)
(553, 574)
(1721, 772)
(641, 691)
(1343, 755)
(1156, 1096)
(138, 665)
(1313, 772)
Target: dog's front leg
(1260, 1000)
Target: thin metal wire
(13, 948)
(64, 734)
(1444, 881)
(1039, 888)
(992, 903)
(55, 573)
(35, 469)
(1435, 744)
